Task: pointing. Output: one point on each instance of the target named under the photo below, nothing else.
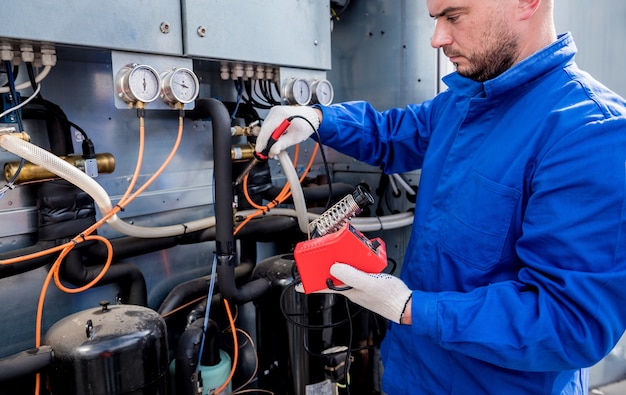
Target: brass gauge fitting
(239, 153)
(33, 173)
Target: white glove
(297, 132)
(384, 294)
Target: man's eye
(453, 18)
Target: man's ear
(527, 8)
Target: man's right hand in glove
(297, 132)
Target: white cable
(22, 104)
(27, 84)
(296, 191)
(404, 184)
(394, 187)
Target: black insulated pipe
(224, 222)
(25, 362)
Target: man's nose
(441, 36)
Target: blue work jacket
(517, 257)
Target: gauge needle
(182, 84)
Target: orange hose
(86, 235)
(281, 197)
(235, 348)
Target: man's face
(476, 35)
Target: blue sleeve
(394, 140)
(567, 307)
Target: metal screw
(165, 27)
(315, 42)
(201, 31)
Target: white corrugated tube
(296, 191)
(54, 164)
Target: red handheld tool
(264, 155)
(315, 257)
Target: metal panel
(382, 53)
(113, 24)
(598, 29)
(279, 32)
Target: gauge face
(323, 92)
(179, 86)
(138, 83)
(297, 91)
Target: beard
(491, 61)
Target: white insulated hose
(54, 164)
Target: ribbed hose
(296, 191)
(70, 173)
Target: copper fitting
(34, 173)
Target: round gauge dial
(297, 91)
(322, 92)
(180, 85)
(138, 83)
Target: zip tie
(120, 207)
(184, 228)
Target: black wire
(239, 88)
(343, 9)
(288, 315)
(250, 92)
(324, 160)
(14, 98)
(349, 350)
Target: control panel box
(279, 32)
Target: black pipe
(224, 222)
(127, 275)
(196, 288)
(59, 132)
(187, 352)
(25, 362)
(185, 377)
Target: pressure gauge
(138, 83)
(297, 91)
(180, 85)
(322, 92)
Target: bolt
(201, 31)
(165, 27)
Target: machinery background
(380, 52)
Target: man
(514, 278)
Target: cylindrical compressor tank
(111, 350)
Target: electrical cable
(256, 361)
(205, 325)
(405, 185)
(14, 96)
(337, 14)
(22, 104)
(11, 183)
(239, 88)
(24, 85)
